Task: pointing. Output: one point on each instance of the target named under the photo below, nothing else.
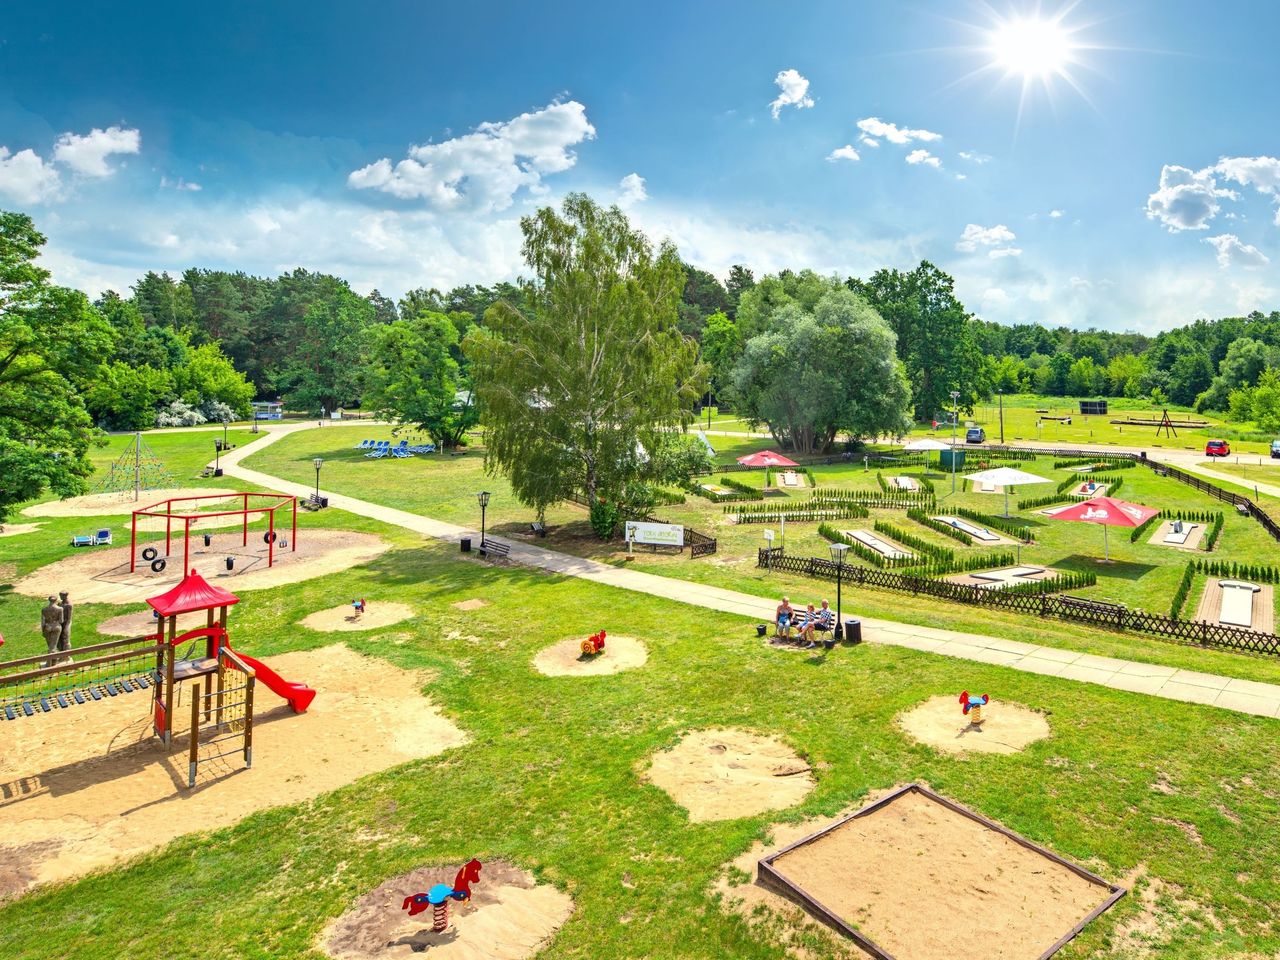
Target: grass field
(1183, 796)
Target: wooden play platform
(916, 876)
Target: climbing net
(65, 678)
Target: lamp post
(955, 417)
(838, 550)
(217, 459)
(318, 462)
(1001, 395)
(482, 498)
(225, 423)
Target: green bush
(1184, 587)
(919, 545)
(803, 511)
(1004, 524)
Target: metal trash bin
(761, 629)
(466, 544)
(853, 630)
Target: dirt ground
(1193, 541)
(377, 614)
(102, 576)
(923, 881)
(18, 529)
(509, 917)
(565, 659)
(725, 774)
(86, 787)
(137, 624)
(475, 603)
(1209, 609)
(118, 504)
(1006, 727)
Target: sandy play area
(18, 529)
(1006, 727)
(509, 917)
(565, 659)
(142, 623)
(344, 617)
(923, 881)
(86, 787)
(102, 576)
(724, 774)
(118, 504)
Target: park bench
(538, 528)
(492, 548)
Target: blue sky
(398, 144)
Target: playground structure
(971, 707)
(135, 470)
(438, 896)
(34, 685)
(593, 646)
(165, 510)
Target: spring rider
(972, 707)
(358, 606)
(594, 645)
(438, 897)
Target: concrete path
(1245, 696)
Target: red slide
(299, 695)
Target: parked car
(1275, 449)
(1220, 448)
(975, 435)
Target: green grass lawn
(1143, 576)
(549, 780)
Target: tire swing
(158, 565)
(269, 536)
(149, 553)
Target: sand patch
(142, 623)
(1006, 727)
(475, 603)
(344, 617)
(18, 529)
(88, 786)
(102, 576)
(1166, 528)
(565, 658)
(118, 504)
(1165, 915)
(918, 878)
(508, 917)
(725, 774)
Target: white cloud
(868, 141)
(87, 154)
(180, 184)
(1187, 199)
(1261, 173)
(962, 176)
(974, 157)
(997, 239)
(633, 190)
(844, 153)
(925, 157)
(1055, 214)
(1233, 253)
(875, 127)
(794, 92)
(483, 170)
(26, 178)
(998, 252)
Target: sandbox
(87, 787)
(509, 917)
(725, 774)
(915, 876)
(115, 504)
(1006, 727)
(102, 576)
(565, 659)
(377, 613)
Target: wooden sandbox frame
(772, 879)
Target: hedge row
(918, 544)
(1054, 584)
(1004, 524)
(1141, 529)
(1098, 463)
(964, 564)
(771, 513)
(1031, 503)
(873, 557)
(922, 518)
(1184, 587)
(1232, 570)
(1113, 483)
(898, 500)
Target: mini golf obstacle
(264, 503)
(222, 711)
(842, 876)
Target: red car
(1217, 448)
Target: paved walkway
(1245, 696)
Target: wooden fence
(1097, 613)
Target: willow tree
(581, 380)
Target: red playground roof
(193, 593)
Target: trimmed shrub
(922, 518)
(1004, 524)
(918, 544)
(1184, 587)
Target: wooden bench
(492, 548)
(538, 527)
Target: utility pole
(955, 416)
(1001, 394)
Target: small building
(268, 410)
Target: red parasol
(1107, 512)
(766, 458)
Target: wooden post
(194, 752)
(250, 682)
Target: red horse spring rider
(438, 897)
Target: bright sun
(1031, 48)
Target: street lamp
(217, 459)
(955, 417)
(482, 498)
(225, 424)
(318, 461)
(1001, 395)
(838, 550)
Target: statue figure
(51, 627)
(64, 639)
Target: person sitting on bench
(783, 617)
(815, 620)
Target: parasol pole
(1106, 550)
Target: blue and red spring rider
(972, 707)
(438, 897)
(593, 646)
